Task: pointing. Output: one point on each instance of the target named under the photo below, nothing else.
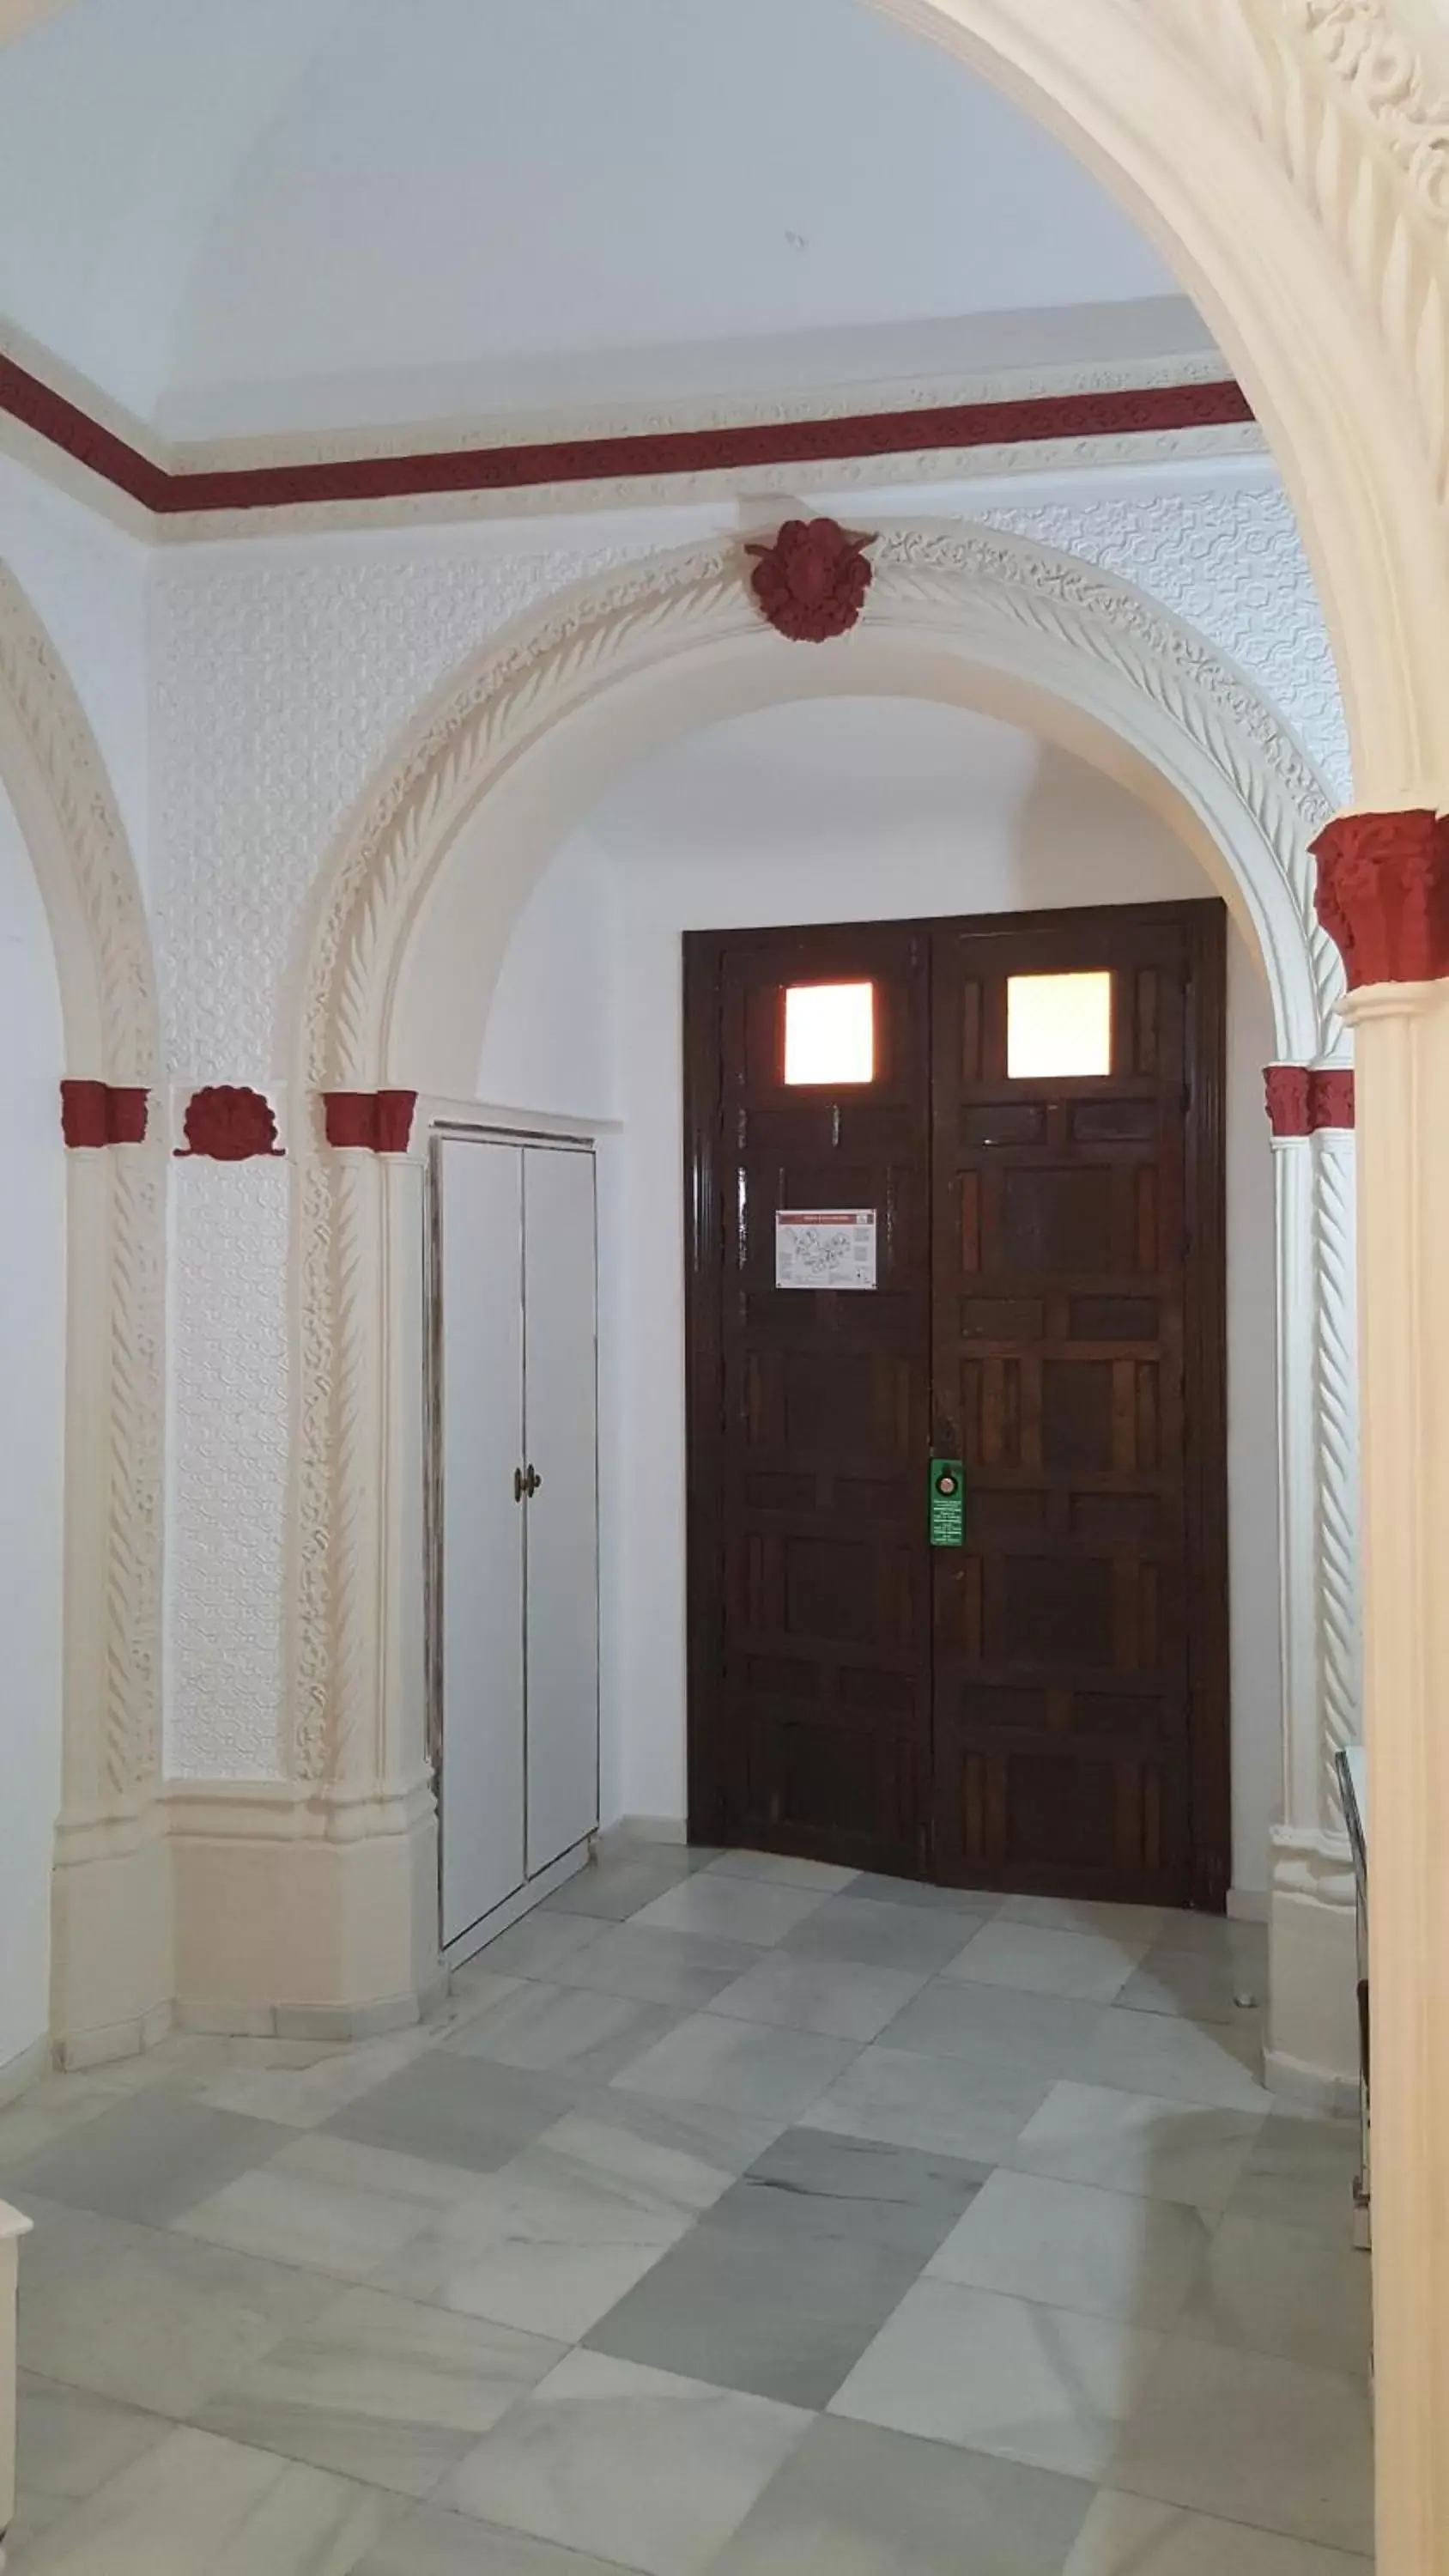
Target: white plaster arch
(412, 917)
(108, 1966)
(545, 714)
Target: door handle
(519, 1487)
(532, 1482)
(525, 1484)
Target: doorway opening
(956, 1409)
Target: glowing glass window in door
(1058, 1024)
(830, 1033)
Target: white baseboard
(19, 2073)
(85, 2049)
(1311, 2088)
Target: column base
(111, 1935)
(304, 1914)
(1311, 2056)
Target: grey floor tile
(457, 2110)
(534, 1946)
(572, 2031)
(683, 1969)
(1041, 2385)
(195, 2503)
(645, 2469)
(1283, 2290)
(810, 2182)
(1105, 2253)
(155, 2155)
(1126, 2536)
(68, 2441)
(50, 2111)
(879, 1935)
(977, 1901)
(429, 2542)
(939, 2104)
(1300, 2173)
(779, 2316)
(997, 2025)
(732, 1909)
(836, 1996)
(154, 2320)
(1134, 2142)
(382, 2389)
(615, 1886)
(856, 2500)
(740, 2065)
(1256, 2440)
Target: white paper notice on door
(825, 1248)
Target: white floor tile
(947, 2107)
(841, 1999)
(996, 2374)
(783, 1870)
(743, 2065)
(1136, 2142)
(198, 2502)
(731, 1909)
(1106, 2253)
(1045, 1961)
(636, 2465)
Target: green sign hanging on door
(947, 1492)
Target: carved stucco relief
(278, 689)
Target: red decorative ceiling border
(1134, 411)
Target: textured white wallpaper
(278, 684)
(1232, 564)
(277, 689)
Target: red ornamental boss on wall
(811, 583)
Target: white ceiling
(239, 215)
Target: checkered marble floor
(738, 2215)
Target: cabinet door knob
(519, 1487)
(534, 1480)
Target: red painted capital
(381, 1122)
(229, 1123)
(1383, 894)
(102, 1113)
(1302, 1098)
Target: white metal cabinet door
(479, 1217)
(561, 1436)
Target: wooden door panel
(1063, 1297)
(816, 1422)
(1044, 1707)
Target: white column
(1312, 2050)
(1403, 1058)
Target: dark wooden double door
(1043, 1706)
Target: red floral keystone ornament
(811, 583)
